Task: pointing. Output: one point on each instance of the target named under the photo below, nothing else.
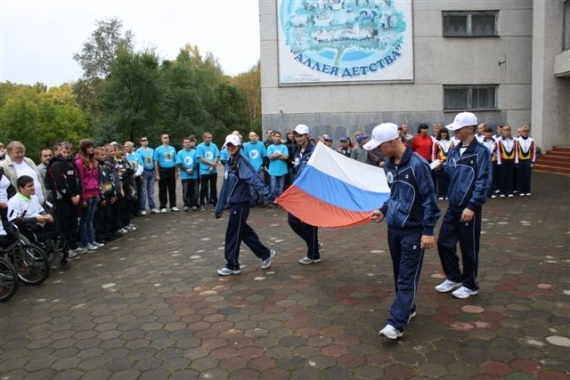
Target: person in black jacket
(239, 175)
(66, 190)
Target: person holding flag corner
(411, 213)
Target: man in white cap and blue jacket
(411, 213)
(470, 173)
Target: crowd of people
(95, 193)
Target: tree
(250, 85)
(131, 94)
(101, 49)
(39, 119)
(96, 59)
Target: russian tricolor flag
(335, 191)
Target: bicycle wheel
(32, 264)
(8, 280)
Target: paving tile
(161, 311)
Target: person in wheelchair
(25, 205)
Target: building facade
(346, 65)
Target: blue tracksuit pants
(237, 231)
(310, 234)
(407, 259)
(467, 234)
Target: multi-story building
(343, 65)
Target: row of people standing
(512, 157)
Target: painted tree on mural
(339, 25)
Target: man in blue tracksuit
(468, 167)
(310, 234)
(411, 213)
(239, 176)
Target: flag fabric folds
(335, 191)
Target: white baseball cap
(382, 133)
(232, 139)
(301, 129)
(463, 119)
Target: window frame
(469, 26)
(470, 90)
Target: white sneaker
(155, 211)
(320, 246)
(447, 286)
(99, 245)
(510, 196)
(79, 250)
(91, 247)
(226, 272)
(175, 209)
(464, 292)
(267, 262)
(412, 316)
(123, 231)
(528, 194)
(522, 194)
(142, 213)
(306, 261)
(391, 332)
(163, 211)
(71, 254)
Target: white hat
(463, 119)
(232, 139)
(301, 129)
(382, 133)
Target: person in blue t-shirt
(146, 189)
(208, 155)
(255, 152)
(165, 173)
(188, 164)
(278, 154)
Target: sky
(39, 37)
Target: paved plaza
(151, 306)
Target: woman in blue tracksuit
(411, 213)
(239, 175)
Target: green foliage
(39, 119)
(124, 94)
(131, 95)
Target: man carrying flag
(411, 213)
(310, 234)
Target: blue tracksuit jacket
(470, 175)
(237, 180)
(412, 205)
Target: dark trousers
(468, 235)
(104, 220)
(506, 179)
(166, 183)
(208, 182)
(123, 212)
(190, 192)
(237, 231)
(496, 178)
(310, 234)
(407, 259)
(442, 180)
(524, 171)
(66, 221)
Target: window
(459, 98)
(566, 37)
(470, 24)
